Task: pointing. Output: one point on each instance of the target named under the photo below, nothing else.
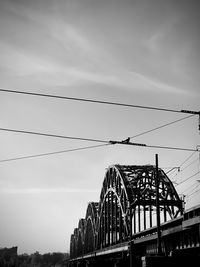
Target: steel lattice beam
(127, 203)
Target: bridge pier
(156, 261)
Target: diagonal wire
(188, 178)
(187, 159)
(52, 153)
(189, 164)
(52, 135)
(183, 164)
(162, 126)
(79, 138)
(95, 101)
(192, 193)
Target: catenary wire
(151, 146)
(52, 153)
(53, 135)
(187, 159)
(188, 178)
(74, 138)
(96, 101)
(189, 189)
(189, 165)
(190, 156)
(93, 140)
(188, 196)
(162, 126)
(171, 148)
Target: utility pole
(157, 181)
(130, 241)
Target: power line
(64, 151)
(51, 153)
(189, 189)
(189, 164)
(173, 169)
(190, 156)
(97, 101)
(193, 193)
(126, 142)
(162, 126)
(188, 178)
(187, 159)
(53, 135)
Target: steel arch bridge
(127, 206)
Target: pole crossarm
(190, 112)
(127, 142)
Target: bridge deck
(189, 219)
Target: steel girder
(90, 228)
(127, 205)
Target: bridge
(138, 221)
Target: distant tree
(36, 258)
(57, 257)
(46, 259)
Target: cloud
(125, 80)
(54, 52)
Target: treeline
(10, 258)
(56, 259)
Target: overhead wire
(89, 139)
(127, 142)
(162, 126)
(52, 135)
(75, 138)
(187, 159)
(96, 101)
(52, 153)
(189, 189)
(190, 156)
(171, 148)
(106, 143)
(192, 193)
(188, 178)
(189, 165)
(92, 140)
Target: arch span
(90, 227)
(127, 205)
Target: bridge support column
(157, 261)
(131, 263)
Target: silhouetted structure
(123, 224)
(8, 257)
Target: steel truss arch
(141, 188)
(90, 227)
(113, 216)
(127, 206)
(74, 243)
(81, 236)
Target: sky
(135, 52)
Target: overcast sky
(136, 52)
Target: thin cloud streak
(41, 68)
(83, 59)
